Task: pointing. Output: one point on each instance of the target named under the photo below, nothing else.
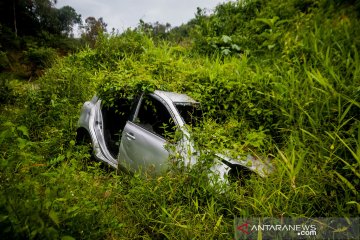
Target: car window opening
(155, 117)
(191, 113)
(114, 120)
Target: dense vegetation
(278, 78)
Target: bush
(39, 58)
(9, 93)
(4, 61)
(298, 102)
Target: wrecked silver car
(138, 140)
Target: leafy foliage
(31, 17)
(93, 28)
(273, 77)
(39, 58)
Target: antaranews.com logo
(296, 228)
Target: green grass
(298, 103)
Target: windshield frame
(195, 106)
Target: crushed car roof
(176, 97)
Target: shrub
(298, 102)
(4, 61)
(39, 58)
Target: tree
(92, 29)
(156, 30)
(56, 21)
(14, 12)
(33, 16)
(67, 17)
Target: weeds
(297, 101)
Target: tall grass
(298, 104)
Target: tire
(240, 174)
(83, 139)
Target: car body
(138, 138)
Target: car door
(143, 140)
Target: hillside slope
(271, 82)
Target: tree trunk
(14, 10)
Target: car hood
(223, 164)
(260, 165)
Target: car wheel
(240, 174)
(83, 139)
